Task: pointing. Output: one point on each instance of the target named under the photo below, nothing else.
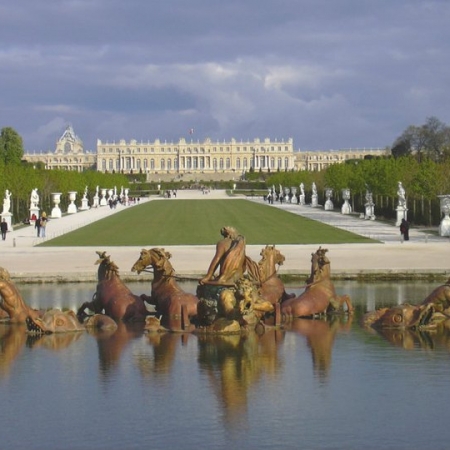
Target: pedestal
(314, 201)
(8, 219)
(96, 202)
(370, 212)
(103, 201)
(444, 227)
(34, 214)
(329, 205)
(302, 199)
(402, 213)
(72, 208)
(84, 204)
(346, 208)
(56, 212)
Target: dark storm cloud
(329, 73)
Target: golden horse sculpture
(168, 298)
(112, 296)
(264, 274)
(319, 296)
(434, 310)
(42, 322)
(13, 304)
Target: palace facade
(174, 160)
(69, 154)
(317, 160)
(185, 157)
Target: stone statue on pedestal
(402, 210)
(328, 203)
(314, 196)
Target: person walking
(4, 229)
(404, 230)
(37, 225)
(43, 223)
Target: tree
(401, 147)
(431, 140)
(11, 146)
(436, 135)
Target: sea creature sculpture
(434, 310)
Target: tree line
(422, 179)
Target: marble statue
(401, 195)
(314, 197)
(7, 202)
(402, 210)
(302, 194)
(444, 226)
(34, 199)
(370, 206)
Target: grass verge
(198, 222)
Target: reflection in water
(320, 336)
(181, 390)
(164, 347)
(12, 341)
(54, 342)
(234, 364)
(111, 345)
(410, 339)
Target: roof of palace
(69, 135)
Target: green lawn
(198, 222)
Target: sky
(330, 74)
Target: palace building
(69, 154)
(317, 160)
(188, 158)
(185, 157)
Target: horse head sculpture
(264, 274)
(158, 259)
(169, 299)
(107, 269)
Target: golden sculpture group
(236, 295)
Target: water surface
(317, 385)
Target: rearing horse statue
(166, 295)
(264, 275)
(319, 296)
(113, 296)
